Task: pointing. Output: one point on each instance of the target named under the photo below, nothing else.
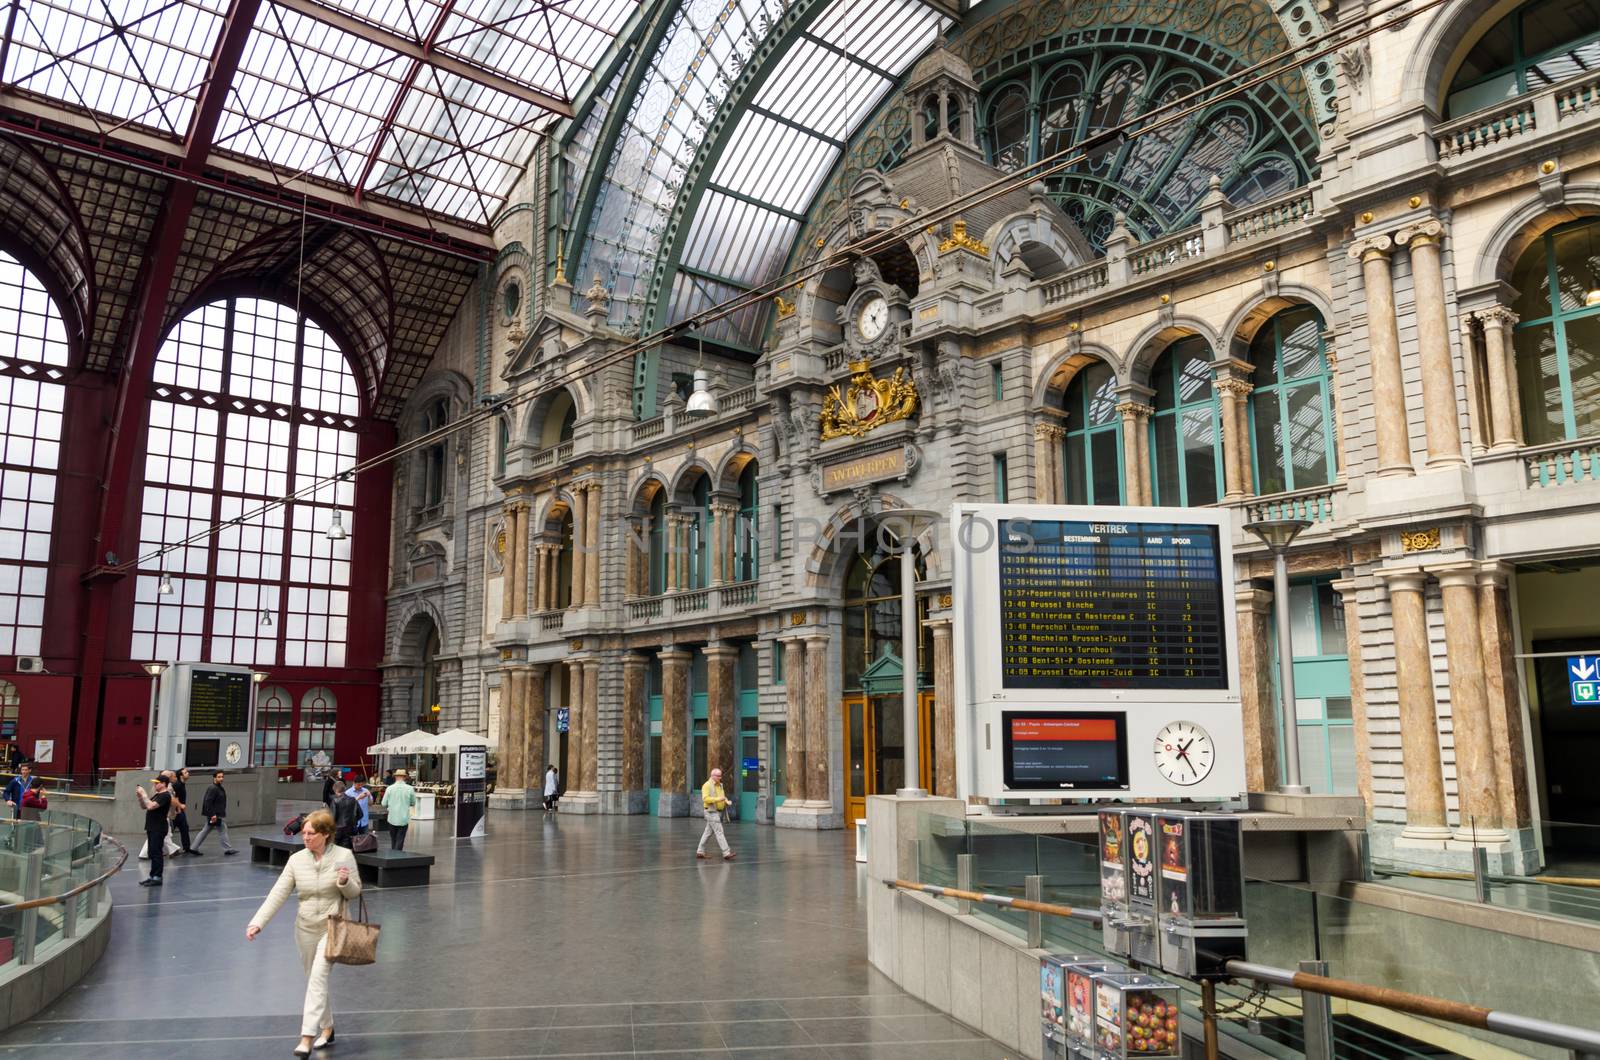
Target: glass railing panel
(941, 840)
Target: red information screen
(1064, 751)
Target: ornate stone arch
(1037, 240)
(560, 504)
(681, 479)
(406, 629)
(1524, 224)
(642, 493)
(1148, 346)
(449, 385)
(1445, 40)
(533, 420)
(827, 556)
(726, 477)
(1052, 382)
(1242, 324)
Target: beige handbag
(352, 941)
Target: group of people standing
(166, 815)
(350, 805)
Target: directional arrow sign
(1583, 671)
(1582, 667)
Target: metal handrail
(56, 899)
(1025, 904)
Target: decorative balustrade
(552, 620)
(645, 609)
(1163, 253)
(1562, 465)
(1315, 505)
(1078, 281)
(739, 399)
(833, 360)
(542, 458)
(1577, 97)
(1485, 128)
(740, 594)
(643, 432)
(563, 452)
(691, 602)
(1268, 217)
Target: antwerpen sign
(874, 467)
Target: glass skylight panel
(692, 295)
(821, 90)
(737, 240)
(150, 73)
(747, 165)
(888, 34)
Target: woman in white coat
(324, 877)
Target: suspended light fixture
(165, 588)
(266, 619)
(702, 402)
(335, 531)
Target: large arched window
(251, 403)
(432, 481)
(1008, 127)
(746, 531)
(1185, 432)
(1538, 44)
(274, 726)
(319, 715)
(699, 534)
(658, 543)
(1092, 467)
(559, 420)
(1558, 334)
(33, 352)
(1291, 415)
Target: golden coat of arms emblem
(868, 403)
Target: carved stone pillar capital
(1424, 233)
(1370, 247)
(1496, 316)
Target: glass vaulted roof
(434, 103)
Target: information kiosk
(1095, 654)
(203, 717)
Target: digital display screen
(199, 754)
(219, 701)
(1061, 751)
(1089, 605)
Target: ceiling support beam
(420, 51)
(399, 99)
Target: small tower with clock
(873, 315)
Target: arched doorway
(874, 675)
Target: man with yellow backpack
(715, 801)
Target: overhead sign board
(1583, 671)
(1096, 653)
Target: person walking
(180, 805)
(327, 791)
(214, 808)
(324, 877)
(363, 796)
(19, 786)
(552, 780)
(155, 826)
(715, 801)
(346, 815)
(398, 799)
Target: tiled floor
(574, 936)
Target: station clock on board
(1184, 752)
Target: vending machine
(1201, 893)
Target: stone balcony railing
(716, 599)
(1315, 504)
(552, 620)
(1518, 121)
(1561, 464)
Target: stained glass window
(252, 401)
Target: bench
(395, 868)
(273, 849)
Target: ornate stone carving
(960, 240)
(1420, 234)
(1497, 315)
(868, 403)
(598, 297)
(1419, 540)
(1353, 61)
(1359, 249)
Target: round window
(511, 299)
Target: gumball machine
(1139, 840)
(1079, 982)
(1201, 893)
(1113, 883)
(1135, 1015)
(1053, 972)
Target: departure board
(1099, 605)
(219, 701)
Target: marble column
(1236, 471)
(1499, 354)
(1383, 341)
(508, 564)
(534, 726)
(520, 570)
(549, 556)
(670, 543)
(1419, 727)
(1441, 415)
(1347, 590)
(591, 725)
(1136, 450)
(674, 801)
(722, 714)
(1503, 696)
(635, 732)
(510, 766)
(818, 790)
(1258, 697)
(1472, 371)
(580, 551)
(794, 692)
(944, 710)
(591, 563)
(572, 768)
(1046, 463)
(1476, 787)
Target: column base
(1493, 840)
(1518, 855)
(580, 802)
(1423, 837)
(624, 802)
(816, 816)
(511, 799)
(673, 804)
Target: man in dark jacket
(346, 815)
(214, 808)
(18, 787)
(180, 802)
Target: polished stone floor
(555, 936)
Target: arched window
(1538, 44)
(746, 531)
(564, 538)
(1008, 128)
(1092, 466)
(1558, 334)
(658, 543)
(33, 352)
(274, 726)
(1061, 115)
(1291, 416)
(502, 443)
(250, 404)
(930, 117)
(872, 608)
(319, 711)
(699, 534)
(433, 457)
(1185, 432)
(559, 419)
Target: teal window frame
(1281, 391)
(747, 532)
(777, 663)
(699, 535)
(657, 556)
(1319, 676)
(1521, 63)
(1079, 404)
(1000, 484)
(502, 444)
(1170, 362)
(1556, 319)
(997, 381)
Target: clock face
(872, 320)
(1184, 752)
(233, 754)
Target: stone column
(1347, 588)
(722, 714)
(1257, 698)
(1136, 450)
(1441, 416)
(508, 564)
(1476, 787)
(580, 522)
(674, 801)
(635, 732)
(1419, 727)
(572, 768)
(1232, 392)
(520, 576)
(794, 692)
(1472, 371)
(818, 791)
(670, 543)
(510, 772)
(1383, 340)
(591, 725)
(534, 726)
(549, 564)
(1503, 696)
(591, 563)
(1046, 464)
(944, 710)
(1500, 360)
